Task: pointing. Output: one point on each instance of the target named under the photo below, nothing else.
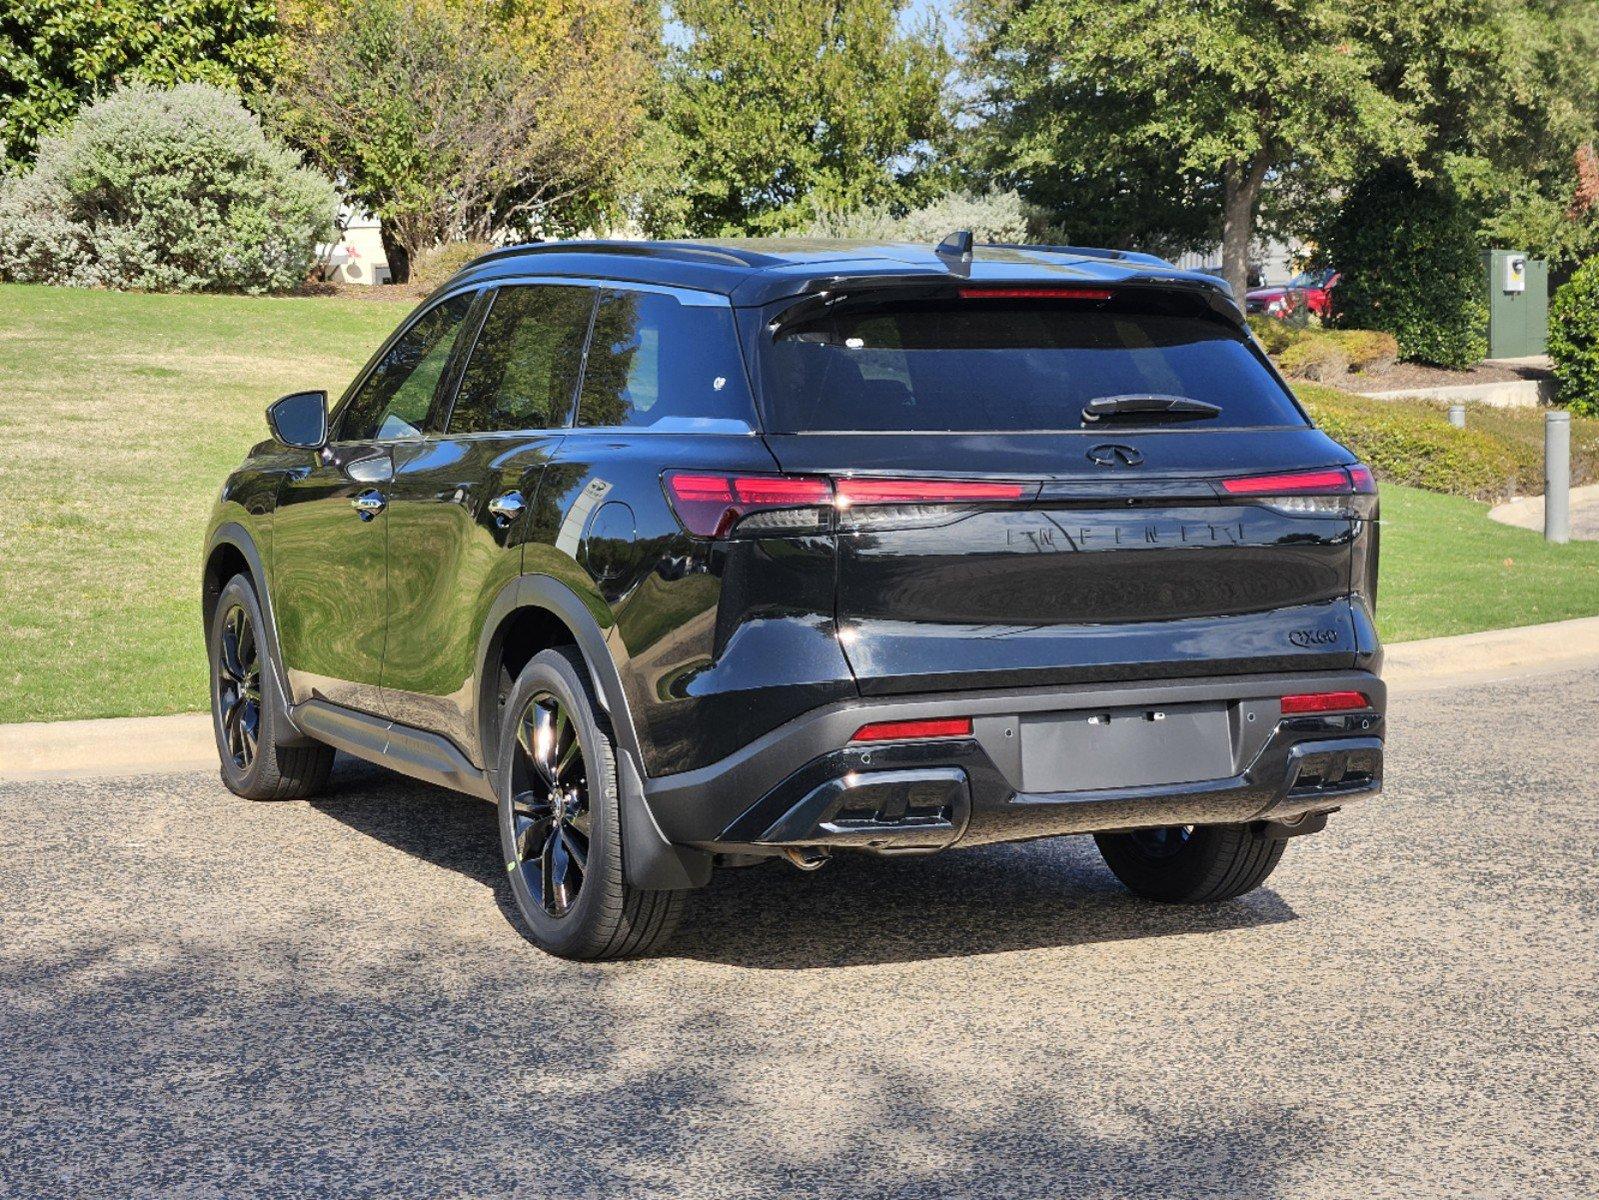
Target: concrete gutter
(126, 746)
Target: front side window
(653, 359)
(394, 400)
(525, 363)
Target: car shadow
(858, 910)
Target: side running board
(414, 752)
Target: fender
(237, 536)
(650, 860)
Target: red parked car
(1309, 289)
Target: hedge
(1499, 454)
(1574, 340)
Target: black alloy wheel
(239, 686)
(553, 824)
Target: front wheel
(244, 708)
(1191, 864)
(560, 820)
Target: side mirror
(300, 419)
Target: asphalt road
(200, 996)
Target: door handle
(507, 508)
(369, 503)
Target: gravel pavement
(200, 996)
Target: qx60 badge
(1114, 454)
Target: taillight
(713, 505)
(1325, 702)
(716, 505)
(902, 731)
(1328, 491)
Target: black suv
(699, 554)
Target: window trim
(688, 297)
(336, 418)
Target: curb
(127, 746)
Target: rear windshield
(974, 365)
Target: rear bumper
(804, 784)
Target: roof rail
(1129, 256)
(677, 250)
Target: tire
(560, 812)
(1191, 864)
(245, 708)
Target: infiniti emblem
(1114, 454)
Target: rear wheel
(1191, 864)
(244, 708)
(560, 820)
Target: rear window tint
(973, 365)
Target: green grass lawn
(1446, 568)
(121, 414)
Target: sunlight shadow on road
(856, 911)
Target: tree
(1507, 93)
(781, 110)
(1161, 112)
(464, 120)
(57, 54)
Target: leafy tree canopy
(57, 54)
(460, 120)
(779, 111)
(1145, 114)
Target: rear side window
(394, 399)
(525, 363)
(656, 361)
(987, 364)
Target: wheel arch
(230, 551)
(537, 612)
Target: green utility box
(1518, 304)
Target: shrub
(1498, 454)
(1324, 354)
(1274, 335)
(992, 217)
(164, 190)
(1366, 349)
(1574, 339)
(1411, 267)
(1318, 358)
(434, 267)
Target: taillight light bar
(1331, 481)
(1325, 702)
(902, 731)
(853, 492)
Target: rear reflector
(1023, 293)
(899, 731)
(1321, 702)
(924, 491)
(710, 505)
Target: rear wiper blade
(1154, 404)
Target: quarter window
(654, 359)
(394, 400)
(524, 366)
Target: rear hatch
(997, 527)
